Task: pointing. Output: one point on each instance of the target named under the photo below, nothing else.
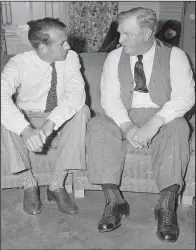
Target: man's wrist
(157, 121)
(25, 129)
(125, 126)
(52, 124)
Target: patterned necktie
(51, 101)
(139, 76)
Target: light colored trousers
(66, 149)
(107, 148)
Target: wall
(188, 32)
(17, 14)
(165, 10)
(24, 11)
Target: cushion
(92, 65)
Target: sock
(169, 197)
(29, 179)
(112, 193)
(58, 180)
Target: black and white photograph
(97, 124)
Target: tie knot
(52, 65)
(140, 57)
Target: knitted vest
(159, 86)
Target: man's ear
(43, 48)
(147, 34)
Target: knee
(103, 125)
(94, 124)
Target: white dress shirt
(182, 84)
(31, 77)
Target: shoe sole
(33, 213)
(117, 226)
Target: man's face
(131, 36)
(58, 48)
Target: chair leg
(179, 199)
(187, 200)
(69, 188)
(79, 193)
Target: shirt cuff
(21, 128)
(168, 116)
(59, 117)
(58, 121)
(121, 121)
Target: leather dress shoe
(167, 229)
(111, 218)
(64, 202)
(32, 203)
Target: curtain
(89, 23)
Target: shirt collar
(150, 52)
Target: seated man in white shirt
(146, 89)
(49, 112)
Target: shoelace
(33, 195)
(108, 208)
(167, 217)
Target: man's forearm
(64, 112)
(157, 121)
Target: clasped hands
(142, 136)
(34, 139)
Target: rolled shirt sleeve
(182, 84)
(110, 89)
(74, 96)
(11, 117)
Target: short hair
(39, 30)
(145, 17)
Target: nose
(122, 38)
(66, 45)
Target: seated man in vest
(146, 88)
(49, 112)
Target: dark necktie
(139, 76)
(51, 101)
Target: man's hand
(47, 128)
(32, 139)
(129, 129)
(145, 134)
